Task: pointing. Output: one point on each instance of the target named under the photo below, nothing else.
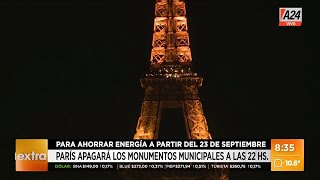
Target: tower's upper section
(170, 44)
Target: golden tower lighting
(171, 82)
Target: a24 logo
(290, 16)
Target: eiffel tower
(171, 82)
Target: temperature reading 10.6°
(292, 162)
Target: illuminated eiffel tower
(171, 82)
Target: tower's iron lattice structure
(171, 82)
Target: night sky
(74, 69)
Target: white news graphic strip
(181, 155)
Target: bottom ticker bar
(158, 166)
